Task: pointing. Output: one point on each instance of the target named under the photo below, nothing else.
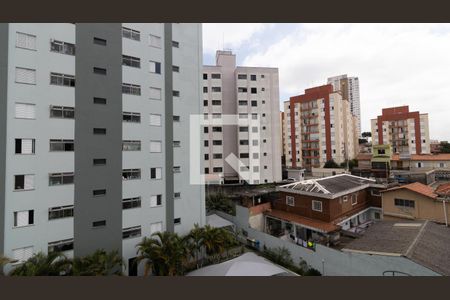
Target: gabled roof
(416, 187)
(328, 186)
(425, 157)
(443, 189)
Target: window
(255, 155)
(155, 173)
(175, 44)
(99, 41)
(205, 76)
(254, 103)
(24, 182)
(24, 75)
(154, 41)
(206, 170)
(60, 212)
(177, 169)
(217, 155)
(243, 129)
(155, 200)
(131, 117)
(23, 218)
(216, 129)
(255, 169)
(155, 227)
(176, 93)
(101, 131)
(155, 120)
(177, 144)
(242, 76)
(177, 221)
(134, 202)
(205, 129)
(243, 116)
(404, 203)
(206, 156)
(254, 116)
(131, 89)
(131, 34)
(101, 223)
(61, 145)
(60, 246)
(62, 79)
(98, 100)
(262, 76)
(316, 205)
(60, 178)
(176, 118)
(205, 102)
(26, 41)
(354, 199)
(216, 115)
(99, 161)
(290, 201)
(131, 232)
(242, 90)
(25, 111)
(345, 198)
(205, 89)
(217, 169)
(63, 112)
(155, 93)
(25, 146)
(155, 146)
(244, 155)
(216, 102)
(375, 193)
(253, 90)
(22, 254)
(62, 47)
(176, 69)
(131, 174)
(99, 193)
(255, 143)
(131, 146)
(215, 76)
(243, 142)
(206, 143)
(155, 67)
(131, 61)
(216, 89)
(177, 195)
(217, 142)
(253, 77)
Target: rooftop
(416, 187)
(331, 186)
(425, 157)
(424, 242)
(305, 222)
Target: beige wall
(425, 208)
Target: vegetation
(282, 257)
(40, 264)
(3, 262)
(331, 164)
(445, 147)
(351, 164)
(220, 202)
(100, 263)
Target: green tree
(194, 242)
(220, 202)
(40, 264)
(331, 164)
(99, 263)
(445, 147)
(214, 241)
(164, 254)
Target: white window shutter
(155, 120)
(25, 75)
(29, 182)
(155, 41)
(27, 41)
(155, 227)
(155, 146)
(25, 111)
(27, 146)
(158, 173)
(155, 93)
(152, 67)
(22, 218)
(22, 254)
(153, 201)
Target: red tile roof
(443, 189)
(426, 157)
(315, 224)
(417, 187)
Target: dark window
(175, 44)
(206, 170)
(19, 182)
(242, 90)
(131, 61)
(25, 146)
(62, 79)
(243, 155)
(177, 220)
(243, 142)
(215, 76)
(254, 103)
(99, 131)
(205, 76)
(205, 129)
(97, 193)
(206, 156)
(62, 47)
(131, 203)
(217, 129)
(176, 93)
(99, 41)
(60, 178)
(217, 142)
(99, 161)
(131, 34)
(60, 212)
(99, 223)
(216, 89)
(61, 145)
(175, 68)
(60, 246)
(206, 143)
(404, 203)
(242, 76)
(217, 155)
(131, 146)
(217, 169)
(30, 218)
(253, 77)
(64, 112)
(243, 102)
(98, 100)
(205, 102)
(176, 118)
(131, 89)
(205, 89)
(243, 129)
(216, 102)
(100, 71)
(130, 174)
(131, 117)
(131, 232)
(253, 90)
(155, 67)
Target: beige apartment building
(319, 127)
(251, 94)
(407, 132)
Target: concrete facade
(154, 85)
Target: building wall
(424, 207)
(4, 33)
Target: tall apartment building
(349, 88)
(407, 132)
(94, 135)
(319, 127)
(251, 94)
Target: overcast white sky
(397, 64)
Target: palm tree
(164, 254)
(194, 241)
(99, 263)
(40, 264)
(214, 241)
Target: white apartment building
(407, 132)
(94, 136)
(349, 87)
(251, 94)
(318, 127)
